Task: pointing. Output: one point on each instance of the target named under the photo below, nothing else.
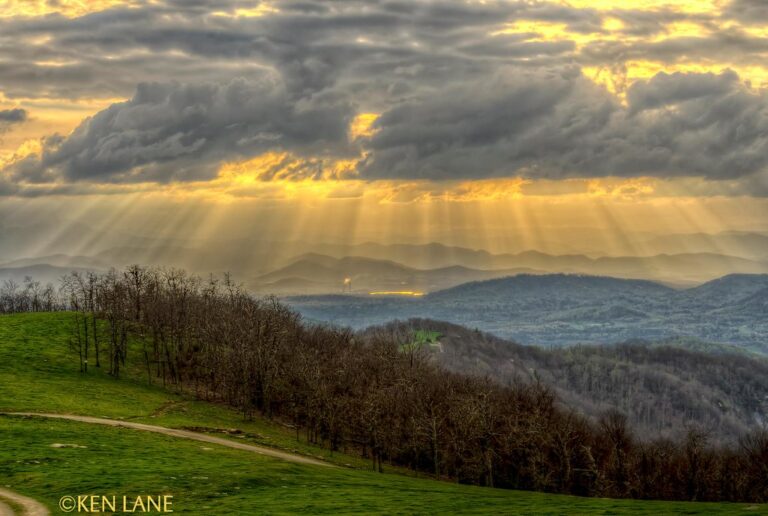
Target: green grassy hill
(38, 374)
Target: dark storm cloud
(183, 132)
(748, 11)
(656, 21)
(664, 90)
(315, 45)
(505, 47)
(459, 98)
(9, 117)
(13, 116)
(727, 46)
(558, 126)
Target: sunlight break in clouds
(587, 106)
(68, 8)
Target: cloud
(316, 45)
(375, 51)
(9, 117)
(558, 126)
(12, 116)
(670, 89)
(748, 11)
(313, 44)
(181, 132)
(458, 96)
(534, 124)
(727, 46)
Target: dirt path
(29, 507)
(184, 434)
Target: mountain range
(564, 310)
(294, 267)
(317, 273)
(42, 273)
(321, 273)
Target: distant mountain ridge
(458, 265)
(563, 310)
(59, 260)
(259, 264)
(681, 268)
(41, 273)
(320, 273)
(745, 244)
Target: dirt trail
(29, 507)
(184, 434)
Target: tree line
(391, 403)
(28, 296)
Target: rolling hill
(42, 273)
(60, 260)
(47, 459)
(745, 244)
(290, 268)
(321, 274)
(684, 268)
(561, 310)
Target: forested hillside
(382, 397)
(665, 387)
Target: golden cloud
(68, 8)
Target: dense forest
(664, 387)
(380, 397)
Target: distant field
(426, 336)
(36, 374)
(423, 339)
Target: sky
(556, 125)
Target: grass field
(38, 374)
(423, 339)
